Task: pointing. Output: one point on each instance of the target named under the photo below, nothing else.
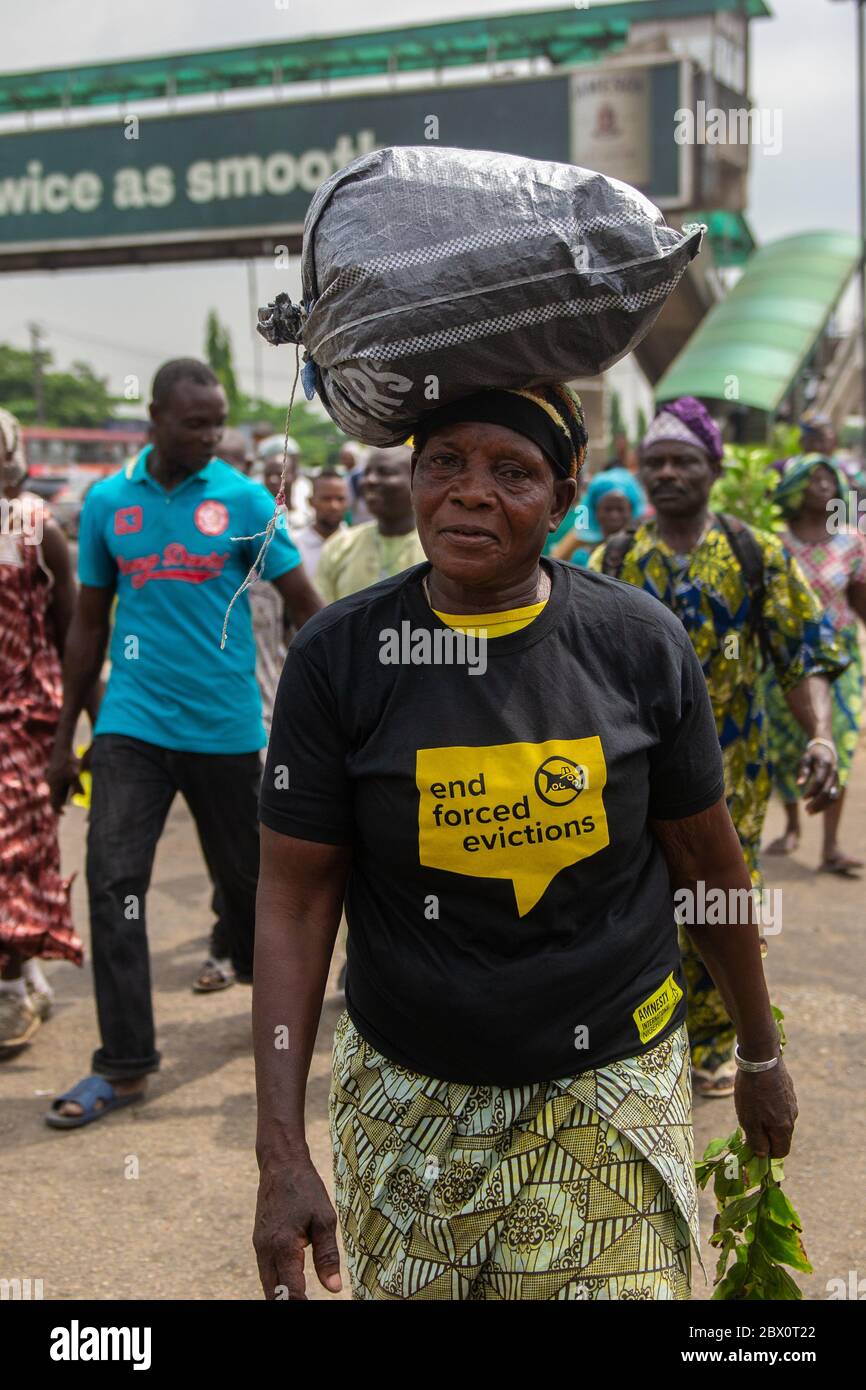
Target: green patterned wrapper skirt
(711, 1033)
(581, 1188)
(788, 741)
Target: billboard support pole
(253, 292)
(38, 384)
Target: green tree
(75, 398)
(746, 487)
(16, 383)
(218, 350)
(641, 425)
(785, 441)
(316, 435)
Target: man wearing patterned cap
(743, 601)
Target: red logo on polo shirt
(211, 518)
(127, 520)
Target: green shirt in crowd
(361, 556)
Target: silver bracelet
(753, 1066)
(826, 743)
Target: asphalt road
(158, 1200)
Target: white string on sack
(255, 573)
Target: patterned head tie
(685, 421)
(796, 472)
(551, 416)
(611, 480)
(13, 464)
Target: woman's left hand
(816, 778)
(767, 1110)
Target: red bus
(61, 453)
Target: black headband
(560, 442)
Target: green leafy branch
(756, 1224)
(746, 486)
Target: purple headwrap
(690, 422)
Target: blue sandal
(86, 1094)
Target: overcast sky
(803, 63)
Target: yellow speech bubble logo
(521, 811)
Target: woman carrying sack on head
(510, 1108)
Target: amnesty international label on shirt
(652, 1015)
(520, 811)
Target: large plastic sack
(430, 273)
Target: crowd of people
(654, 664)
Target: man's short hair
(180, 369)
(400, 453)
(325, 474)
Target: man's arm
(300, 898)
(705, 848)
(86, 641)
(298, 594)
(55, 552)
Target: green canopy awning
(563, 36)
(729, 235)
(751, 346)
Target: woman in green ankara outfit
(811, 492)
(510, 1106)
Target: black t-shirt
(510, 914)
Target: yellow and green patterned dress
(581, 1188)
(577, 1189)
(707, 590)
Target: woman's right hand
(766, 1108)
(62, 775)
(293, 1211)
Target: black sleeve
(305, 789)
(686, 770)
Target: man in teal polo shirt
(172, 536)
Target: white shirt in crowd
(310, 543)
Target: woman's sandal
(714, 1085)
(788, 843)
(214, 975)
(842, 865)
(86, 1094)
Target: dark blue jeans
(134, 784)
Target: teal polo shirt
(175, 560)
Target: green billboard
(210, 183)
